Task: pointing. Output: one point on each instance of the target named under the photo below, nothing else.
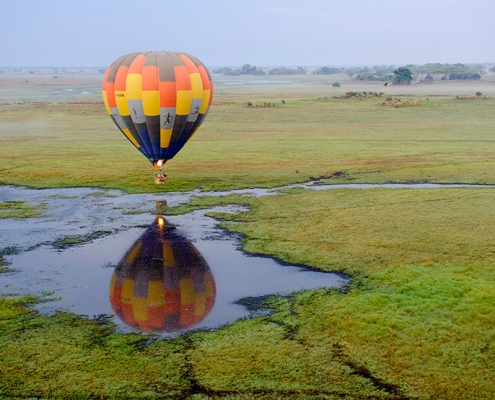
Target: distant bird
(386, 83)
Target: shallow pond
(152, 273)
(109, 253)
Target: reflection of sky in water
(71, 90)
(253, 82)
(82, 275)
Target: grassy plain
(416, 322)
(312, 135)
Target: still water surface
(149, 272)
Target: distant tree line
(327, 71)
(455, 76)
(381, 73)
(248, 69)
(369, 76)
(287, 71)
(437, 71)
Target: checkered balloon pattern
(158, 100)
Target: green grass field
(417, 321)
(312, 135)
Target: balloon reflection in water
(162, 284)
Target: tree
(402, 76)
(248, 69)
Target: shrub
(395, 102)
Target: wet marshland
(108, 253)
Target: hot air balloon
(158, 100)
(162, 284)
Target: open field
(311, 135)
(416, 322)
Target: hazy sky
(258, 32)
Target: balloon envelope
(158, 100)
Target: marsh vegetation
(417, 320)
